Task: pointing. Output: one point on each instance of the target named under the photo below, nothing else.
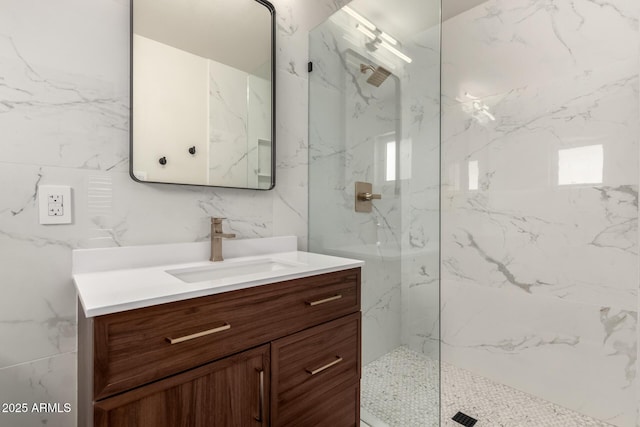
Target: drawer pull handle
(322, 301)
(260, 416)
(327, 366)
(199, 334)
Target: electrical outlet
(54, 203)
(55, 210)
(54, 198)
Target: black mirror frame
(272, 185)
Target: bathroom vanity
(279, 348)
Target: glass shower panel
(375, 236)
(373, 117)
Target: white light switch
(54, 204)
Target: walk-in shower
(503, 250)
(374, 112)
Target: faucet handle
(216, 229)
(224, 236)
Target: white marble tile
(75, 92)
(37, 318)
(293, 26)
(110, 209)
(291, 131)
(381, 299)
(538, 273)
(509, 44)
(38, 309)
(421, 302)
(97, 45)
(291, 41)
(576, 355)
(532, 123)
(50, 381)
(323, 51)
(290, 213)
(315, 12)
(587, 244)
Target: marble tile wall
(64, 84)
(539, 234)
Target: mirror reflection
(202, 92)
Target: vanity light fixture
(378, 38)
(370, 25)
(386, 37)
(364, 30)
(395, 51)
(360, 18)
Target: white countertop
(104, 286)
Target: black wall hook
(162, 161)
(192, 150)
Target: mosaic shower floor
(396, 387)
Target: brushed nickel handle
(198, 334)
(367, 197)
(322, 301)
(260, 416)
(327, 366)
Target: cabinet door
(316, 376)
(232, 392)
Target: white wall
(64, 68)
(540, 278)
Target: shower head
(379, 75)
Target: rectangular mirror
(202, 92)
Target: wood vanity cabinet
(283, 354)
(228, 392)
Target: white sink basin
(226, 270)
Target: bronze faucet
(216, 239)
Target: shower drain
(464, 419)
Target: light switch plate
(54, 204)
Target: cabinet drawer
(139, 346)
(311, 363)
